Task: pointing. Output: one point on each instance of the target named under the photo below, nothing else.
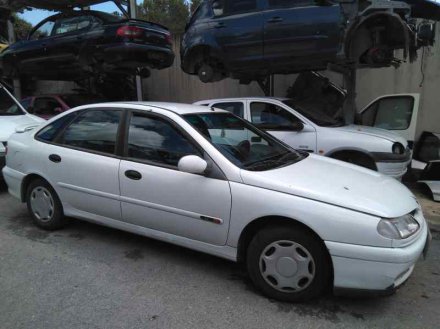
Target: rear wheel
(44, 205)
(288, 263)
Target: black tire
(321, 265)
(56, 219)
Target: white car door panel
(157, 196)
(82, 165)
(393, 112)
(85, 188)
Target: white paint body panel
(341, 203)
(328, 140)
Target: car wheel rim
(42, 204)
(287, 266)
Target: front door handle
(55, 158)
(275, 20)
(133, 174)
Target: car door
(30, 55)
(238, 31)
(82, 164)
(69, 36)
(283, 124)
(393, 112)
(300, 28)
(157, 196)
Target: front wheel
(288, 263)
(44, 205)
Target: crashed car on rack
(251, 39)
(76, 44)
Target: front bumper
(394, 165)
(375, 270)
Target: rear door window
(94, 130)
(269, 116)
(236, 108)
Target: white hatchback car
(12, 116)
(311, 130)
(205, 179)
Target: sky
(35, 16)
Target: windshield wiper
(271, 162)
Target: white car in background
(12, 117)
(308, 128)
(205, 179)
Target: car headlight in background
(398, 148)
(398, 228)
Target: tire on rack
(44, 205)
(288, 263)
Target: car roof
(243, 99)
(178, 108)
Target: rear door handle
(55, 158)
(133, 174)
(275, 20)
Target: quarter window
(272, 117)
(43, 31)
(236, 108)
(156, 140)
(94, 130)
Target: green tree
(21, 27)
(173, 14)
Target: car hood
(338, 183)
(372, 131)
(8, 124)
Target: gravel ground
(87, 276)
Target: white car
(205, 179)
(311, 130)
(12, 116)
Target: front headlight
(398, 228)
(398, 148)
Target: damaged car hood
(347, 186)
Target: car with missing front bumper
(307, 127)
(208, 180)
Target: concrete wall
(174, 85)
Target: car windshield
(8, 106)
(316, 116)
(241, 143)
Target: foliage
(173, 14)
(21, 27)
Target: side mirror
(217, 7)
(193, 164)
(426, 34)
(297, 126)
